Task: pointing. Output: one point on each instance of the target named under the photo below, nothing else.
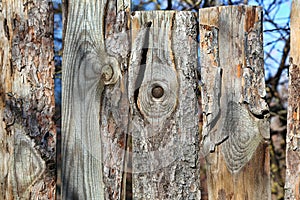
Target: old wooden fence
(132, 91)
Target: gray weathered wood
(94, 106)
(27, 131)
(163, 106)
(236, 127)
(292, 184)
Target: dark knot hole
(157, 91)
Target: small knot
(157, 91)
(107, 73)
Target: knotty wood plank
(292, 184)
(163, 105)
(27, 130)
(236, 127)
(94, 105)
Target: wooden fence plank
(292, 184)
(94, 104)
(236, 127)
(27, 131)
(163, 104)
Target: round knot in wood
(157, 91)
(107, 72)
(158, 94)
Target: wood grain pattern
(292, 184)
(93, 106)
(164, 125)
(27, 131)
(236, 127)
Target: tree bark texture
(27, 130)
(163, 105)
(236, 127)
(292, 184)
(94, 102)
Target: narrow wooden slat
(292, 184)
(27, 129)
(236, 127)
(163, 107)
(94, 106)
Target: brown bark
(292, 184)
(27, 131)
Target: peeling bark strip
(236, 127)
(94, 104)
(292, 184)
(27, 132)
(163, 106)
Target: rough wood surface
(94, 104)
(236, 127)
(27, 132)
(163, 106)
(292, 184)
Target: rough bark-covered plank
(292, 184)
(27, 132)
(94, 105)
(163, 106)
(114, 105)
(236, 127)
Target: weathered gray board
(163, 105)
(94, 102)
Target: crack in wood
(209, 56)
(253, 74)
